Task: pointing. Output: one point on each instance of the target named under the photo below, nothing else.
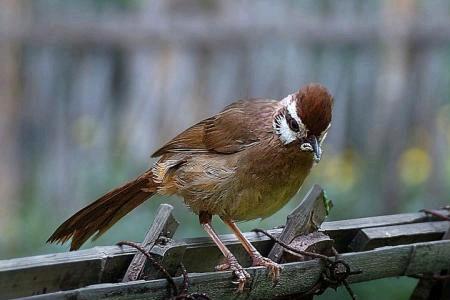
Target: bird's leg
(231, 261)
(257, 258)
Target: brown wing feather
(190, 140)
(238, 126)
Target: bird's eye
(293, 125)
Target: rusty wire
(292, 249)
(334, 275)
(435, 214)
(177, 294)
(184, 295)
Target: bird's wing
(238, 126)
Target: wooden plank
(344, 231)
(161, 222)
(305, 218)
(371, 238)
(71, 270)
(445, 293)
(429, 289)
(62, 271)
(295, 278)
(316, 242)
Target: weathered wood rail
(383, 246)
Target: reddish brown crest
(314, 104)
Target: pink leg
(231, 261)
(257, 258)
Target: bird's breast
(251, 184)
(266, 179)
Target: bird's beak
(311, 144)
(317, 150)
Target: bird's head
(305, 118)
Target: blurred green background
(88, 89)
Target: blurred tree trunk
(9, 171)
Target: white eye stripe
(282, 129)
(324, 133)
(292, 109)
(291, 105)
(281, 126)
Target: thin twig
(292, 249)
(185, 288)
(436, 214)
(179, 295)
(153, 262)
(334, 277)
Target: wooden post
(304, 219)
(164, 224)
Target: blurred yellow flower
(414, 166)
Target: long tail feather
(99, 216)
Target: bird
(244, 163)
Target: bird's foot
(273, 267)
(233, 265)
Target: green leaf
(327, 203)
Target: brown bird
(241, 164)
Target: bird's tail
(99, 216)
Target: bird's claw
(233, 265)
(273, 268)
